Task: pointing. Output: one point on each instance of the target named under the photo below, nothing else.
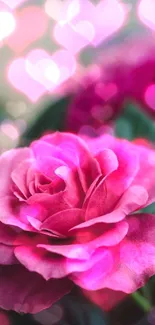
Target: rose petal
(62, 221)
(106, 299)
(8, 161)
(51, 204)
(134, 198)
(52, 266)
(7, 255)
(107, 160)
(7, 234)
(48, 165)
(133, 258)
(28, 292)
(9, 217)
(91, 278)
(145, 175)
(78, 154)
(38, 260)
(19, 175)
(75, 251)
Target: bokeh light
(46, 47)
(146, 9)
(7, 24)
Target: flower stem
(141, 301)
(146, 292)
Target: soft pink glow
(107, 18)
(90, 24)
(39, 72)
(62, 10)
(106, 91)
(27, 32)
(48, 70)
(4, 319)
(16, 108)
(22, 81)
(7, 24)
(10, 130)
(150, 96)
(13, 3)
(146, 10)
(74, 37)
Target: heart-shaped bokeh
(92, 24)
(50, 70)
(62, 10)
(150, 96)
(146, 13)
(40, 72)
(74, 37)
(107, 17)
(13, 3)
(22, 81)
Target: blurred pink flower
(69, 214)
(124, 73)
(4, 318)
(136, 60)
(106, 299)
(97, 100)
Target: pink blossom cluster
(125, 73)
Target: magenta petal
(73, 193)
(7, 256)
(75, 265)
(48, 165)
(28, 292)
(105, 298)
(8, 161)
(114, 216)
(8, 217)
(134, 198)
(134, 256)
(19, 177)
(62, 221)
(145, 176)
(110, 189)
(108, 161)
(99, 195)
(91, 278)
(111, 236)
(52, 266)
(75, 251)
(120, 180)
(78, 155)
(7, 235)
(38, 260)
(51, 204)
(41, 148)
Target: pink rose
(69, 214)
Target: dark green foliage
(79, 311)
(135, 123)
(51, 119)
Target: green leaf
(79, 311)
(135, 123)
(51, 118)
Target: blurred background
(47, 46)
